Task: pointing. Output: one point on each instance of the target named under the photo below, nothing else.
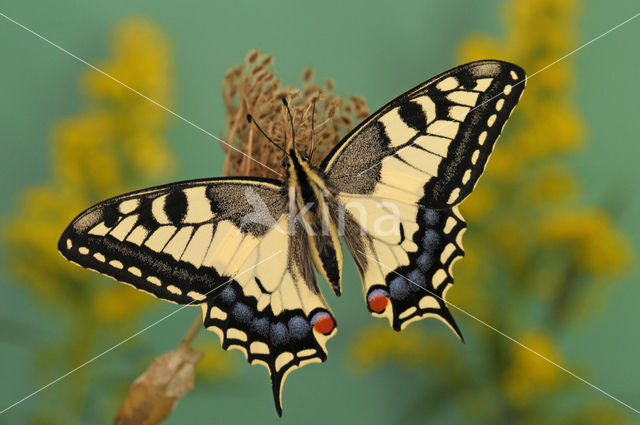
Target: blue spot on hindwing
(431, 217)
(299, 327)
(399, 288)
(228, 295)
(278, 333)
(416, 277)
(261, 326)
(425, 261)
(242, 313)
(430, 240)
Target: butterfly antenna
(293, 135)
(313, 113)
(251, 120)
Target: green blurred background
(376, 50)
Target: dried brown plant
(253, 88)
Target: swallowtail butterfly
(245, 249)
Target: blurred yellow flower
(117, 143)
(216, 362)
(528, 376)
(594, 242)
(379, 343)
(533, 249)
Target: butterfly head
(292, 155)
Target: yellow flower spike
(479, 203)
(380, 344)
(94, 155)
(529, 376)
(480, 47)
(216, 362)
(141, 60)
(118, 303)
(553, 183)
(597, 247)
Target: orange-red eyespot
(323, 322)
(378, 300)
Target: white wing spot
(128, 206)
(124, 227)
(195, 295)
(513, 75)
(116, 264)
(455, 194)
(217, 313)
(233, 333)
(138, 235)
(408, 312)
(447, 84)
(69, 244)
(99, 257)
(474, 157)
(462, 97)
(283, 359)
(482, 137)
(459, 113)
(160, 237)
(491, 120)
(428, 302)
(134, 271)
(154, 280)
(483, 84)
(499, 104)
(83, 250)
(174, 290)
(449, 225)
(428, 107)
(444, 128)
(178, 243)
(157, 209)
(198, 205)
(466, 177)
(396, 128)
(507, 89)
(258, 347)
(438, 278)
(446, 252)
(459, 236)
(100, 230)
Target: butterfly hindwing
(221, 243)
(406, 262)
(415, 159)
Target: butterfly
(246, 249)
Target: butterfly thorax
(309, 205)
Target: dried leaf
(153, 396)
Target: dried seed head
(307, 75)
(252, 56)
(253, 89)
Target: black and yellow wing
(225, 245)
(416, 159)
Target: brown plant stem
(193, 330)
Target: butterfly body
(245, 249)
